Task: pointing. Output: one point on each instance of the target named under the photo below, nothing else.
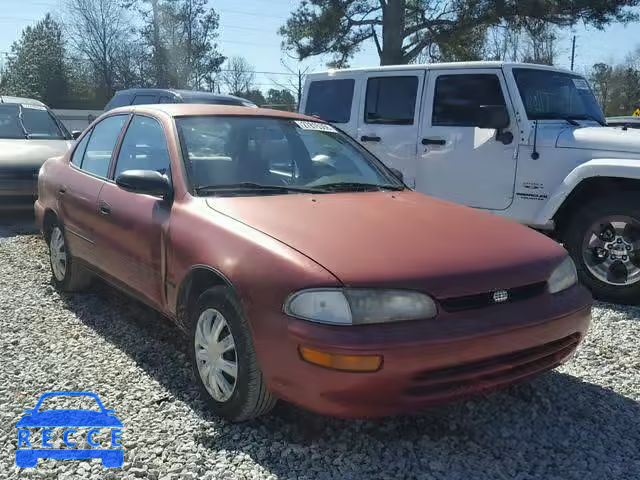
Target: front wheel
(603, 238)
(67, 275)
(224, 358)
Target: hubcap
(58, 254)
(611, 250)
(216, 354)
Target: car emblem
(500, 296)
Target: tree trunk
(393, 23)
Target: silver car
(29, 134)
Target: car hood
(600, 138)
(69, 418)
(30, 154)
(401, 240)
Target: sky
(249, 28)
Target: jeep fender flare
(602, 167)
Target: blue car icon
(69, 418)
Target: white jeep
(527, 142)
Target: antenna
(535, 155)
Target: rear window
(330, 100)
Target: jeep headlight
(563, 277)
(354, 306)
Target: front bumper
(429, 362)
(18, 193)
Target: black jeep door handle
(104, 208)
(433, 141)
(366, 138)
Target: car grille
(486, 299)
(485, 374)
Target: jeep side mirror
(495, 117)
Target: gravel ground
(581, 422)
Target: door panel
(389, 118)
(458, 161)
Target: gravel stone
(577, 423)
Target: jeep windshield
(237, 155)
(20, 121)
(550, 95)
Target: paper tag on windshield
(33, 107)
(320, 127)
(581, 84)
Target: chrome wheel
(216, 354)
(611, 250)
(58, 254)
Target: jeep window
(391, 100)
(104, 137)
(549, 95)
(458, 98)
(228, 151)
(144, 147)
(330, 100)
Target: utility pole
(573, 52)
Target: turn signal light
(350, 363)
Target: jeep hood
(19, 154)
(600, 138)
(401, 240)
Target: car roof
(22, 100)
(199, 109)
(448, 66)
(195, 94)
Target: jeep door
(457, 160)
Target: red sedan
(300, 267)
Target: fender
(601, 167)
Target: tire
(599, 213)
(249, 397)
(72, 277)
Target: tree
(281, 100)
(402, 29)
(99, 31)
(238, 75)
(36, 67)
(601, 78)
(254, 95)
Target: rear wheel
(67, 275)
(603, 238)
(224, 359)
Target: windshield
(227, 152)
(29, 121)
(551, 95)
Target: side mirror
(495, 117)
(397, 173)
(148, 182)
(76, 133)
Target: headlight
(563, 277)
(353, 306)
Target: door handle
(104, 208)
(433, 141)
(366, 138)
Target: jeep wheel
(67, 275)
(604, 240)
(224, 359)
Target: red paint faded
(270, 246)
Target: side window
(457, 98)
(119, 100)
(144, 147)
(78, 153)
(144, 100)
(165, 99)
(330, 100)
(391, 100)
(104, 137)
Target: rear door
(457, 160)
(389, 116)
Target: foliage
(403, 29)
(617, 87)
(36, 68)
(238, 75)
(281, 100)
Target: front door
(134, 224)
(389, 117)
(458, 161)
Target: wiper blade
(355, 186)
(256, 187)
